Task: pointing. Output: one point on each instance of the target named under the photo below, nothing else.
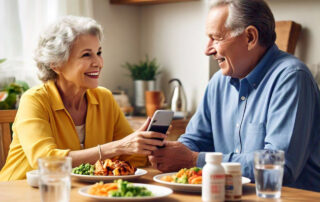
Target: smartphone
(160, 122)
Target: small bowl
(33, 178)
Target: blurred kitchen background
(173, 33)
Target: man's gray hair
(55, 42)
(243, 13)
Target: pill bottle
(213, 178)
(233, 189)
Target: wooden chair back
(6, 118)
(287, 35)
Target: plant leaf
(144, 70)
(2, 60)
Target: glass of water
(54, 181)
(268, 172)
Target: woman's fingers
(149, 147)
(153, 142)
(151, 134)
(145, 152)
(143, 142)
(145, 125)
(156, 141)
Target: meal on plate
(119, 188)
(185, 176)
(107, 167)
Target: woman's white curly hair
(55, 42)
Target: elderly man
(262, 98)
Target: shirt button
(243, 98)
(238, 125)
(237, 150)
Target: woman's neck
(72, 97)
(74, 100)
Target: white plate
(92, 178)
(185, 187)
(157, 191)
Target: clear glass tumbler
(268, 173)
(54, 181)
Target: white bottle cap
(214, 157)
(231, 166)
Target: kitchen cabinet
(146, 2)
(178, 126)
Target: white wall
(175, 35)
(121, 26)
(306, 13)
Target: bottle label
(217, 187)
(233, 188)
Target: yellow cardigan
(43, 127)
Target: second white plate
(157, 191)
(185, 187)
(93, 178)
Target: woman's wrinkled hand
(141, 141)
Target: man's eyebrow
(214, 35)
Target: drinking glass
(55, 182)
(268, 172)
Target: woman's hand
(141, 141)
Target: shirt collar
(55, 98)
(91, 98)
(257, 74)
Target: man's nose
(210, 50)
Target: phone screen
(159, 128)
(161, 121)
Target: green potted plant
(144, 76)
(10, 93)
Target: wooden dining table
(20, 191)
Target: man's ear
(252, 35)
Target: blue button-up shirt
(276, 106)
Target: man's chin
(225, 72)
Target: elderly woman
(69, 115)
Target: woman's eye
(86, 55)
(99, 53)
